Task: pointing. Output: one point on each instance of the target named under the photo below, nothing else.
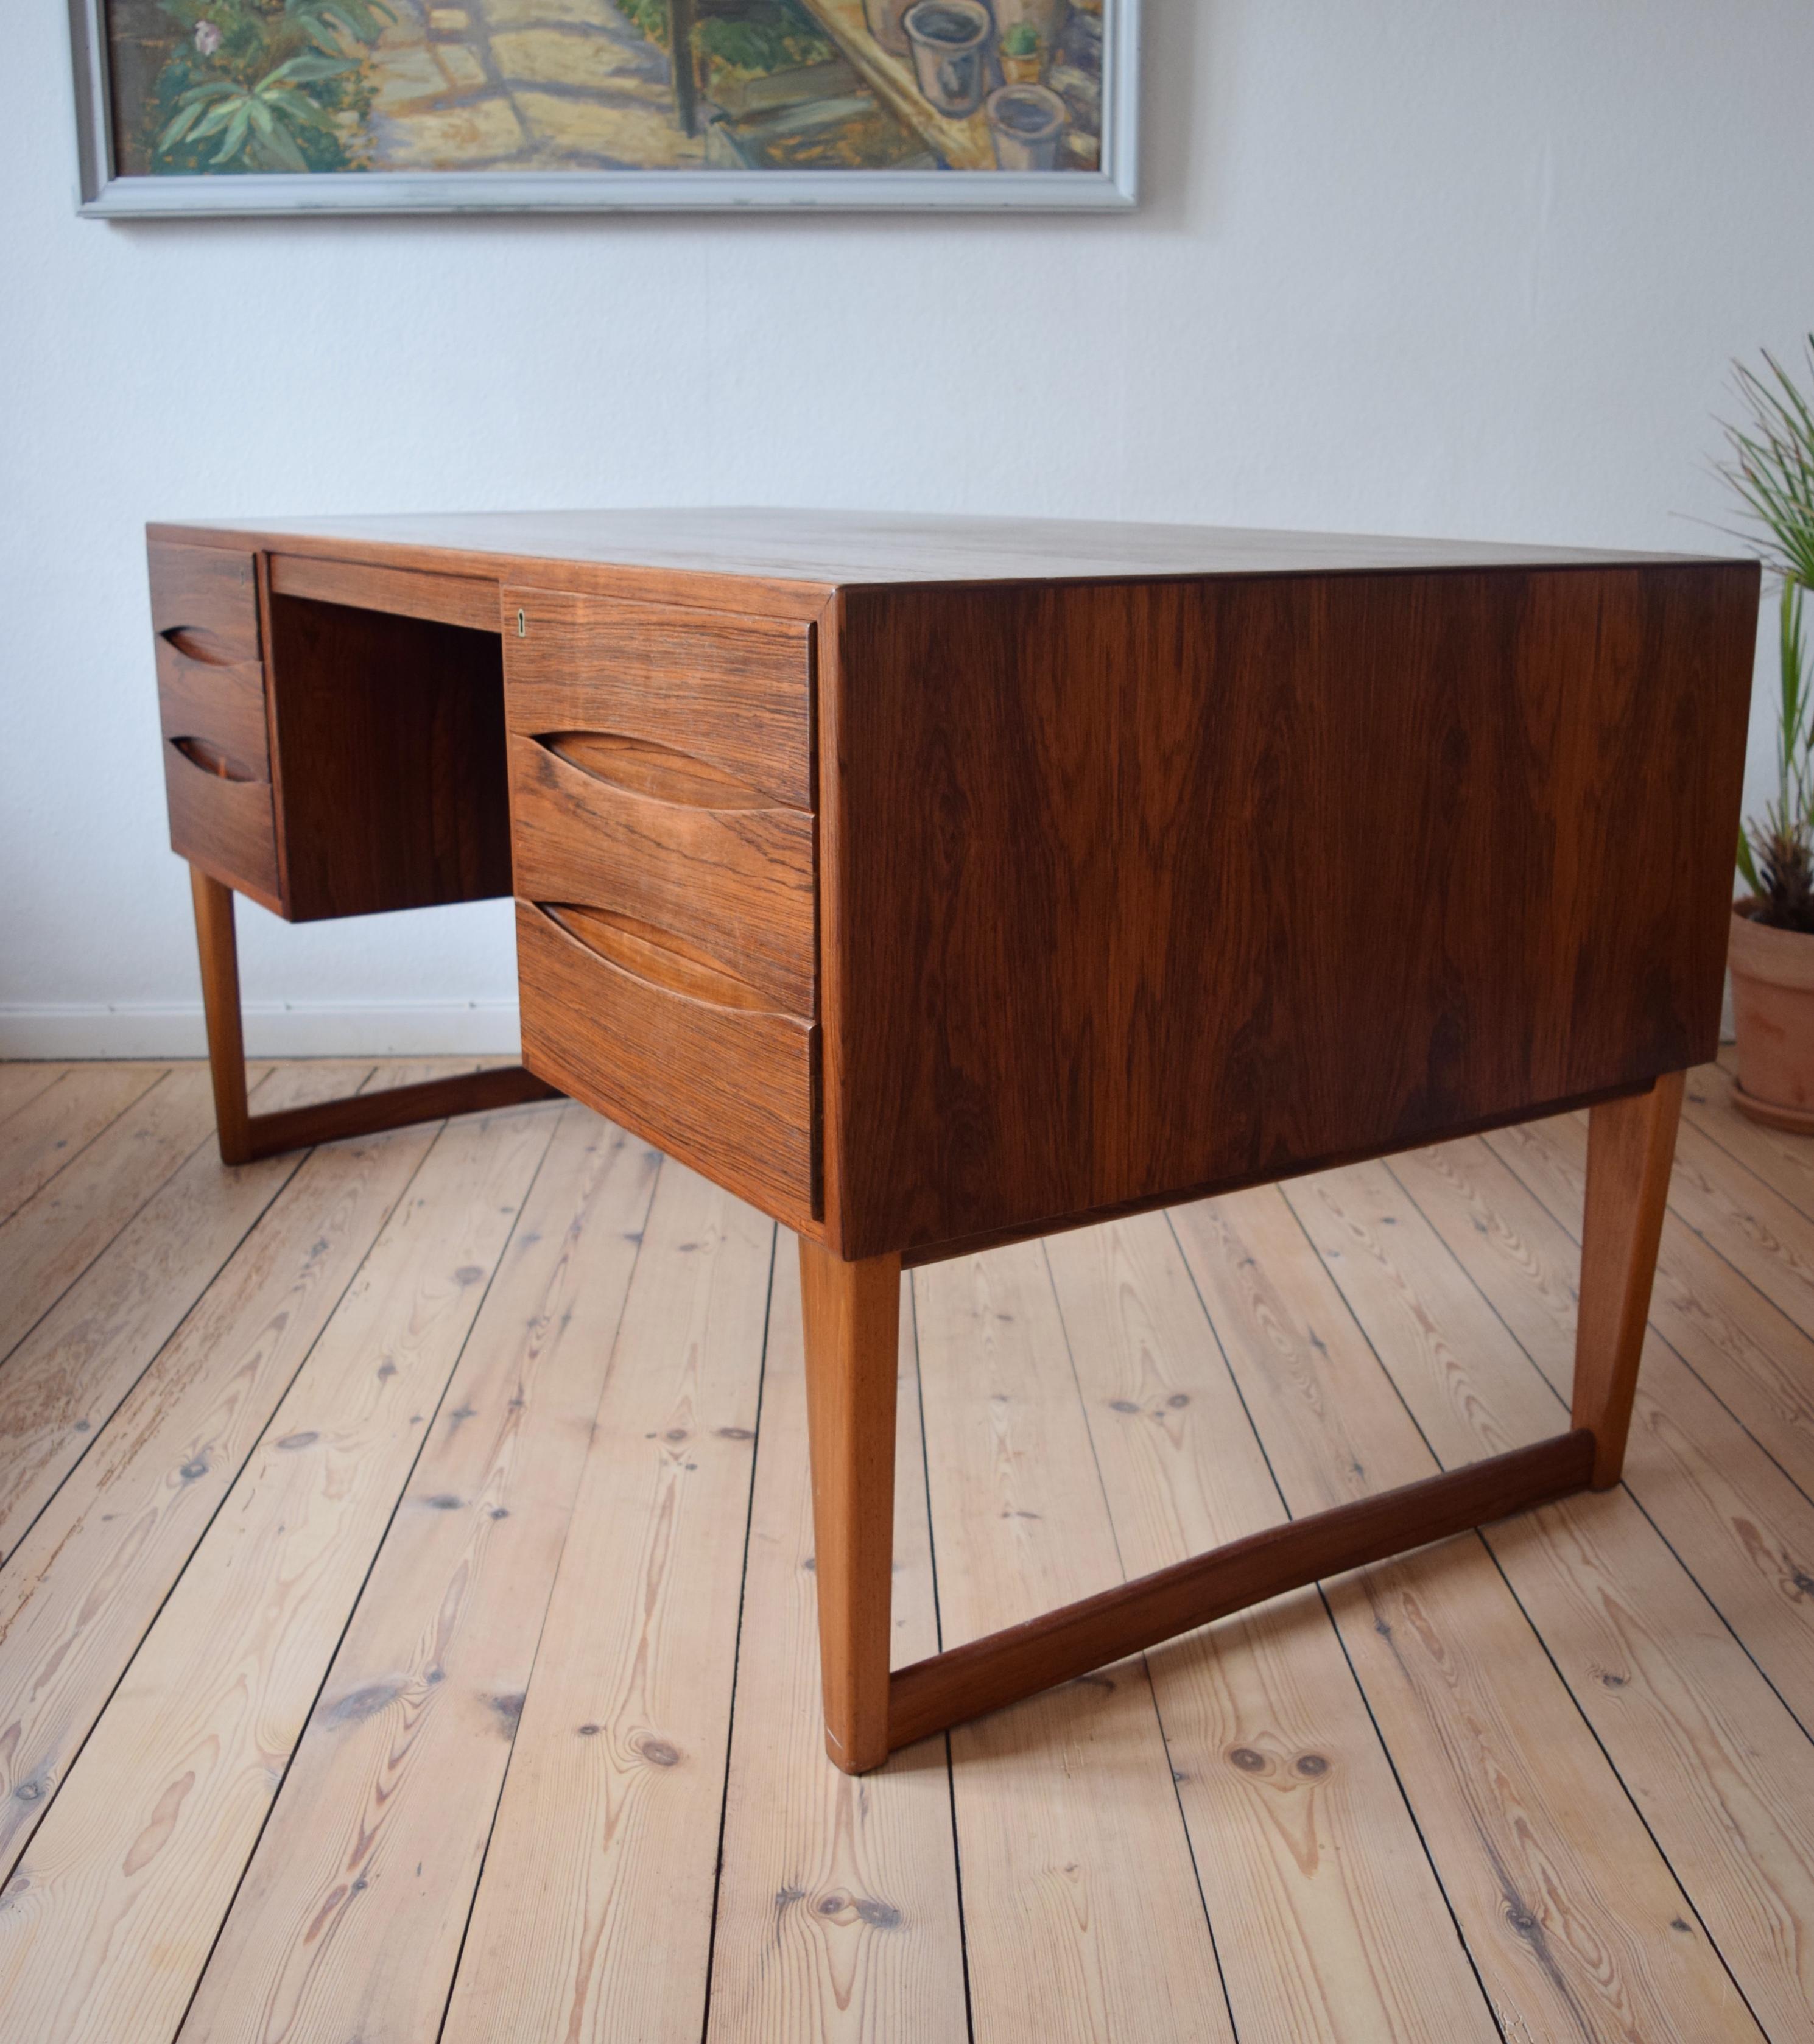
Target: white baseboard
(288, 1029)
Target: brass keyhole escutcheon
(522, 625)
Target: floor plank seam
(1146, 1665)
(1712, 1390)
(737, 1654)
(1625, 1485)
(100, 1249)
(939, 1645)
(1410, 1811)
(83, 1150)
(11, 1867)
(541, 1629)
(353, 1604)
(1612, 1766)
(95, 1433)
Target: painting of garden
(220, 88)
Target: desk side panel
(1145, 888)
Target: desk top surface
(847, 548)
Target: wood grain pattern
(80, 1588)
(223, 702)
(178, 1776)
(205, 598)
(730, 1090)
(65, 1380)
(46, 1135)
(227, 827)
(737, 883)
(1721, 1772)
(469, 601)
(852, 1316)
(593, 1920)
(837, 1909)
(735, 690)
(1032, 851)
(1540, 1853)
(57, 1233)
(389, 749)
(1301, 1839)
(1630, 1144)
(1081, 1916)
(349, 1921)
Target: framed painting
(189, 107)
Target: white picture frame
(106, 194)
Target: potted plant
(1020, 55)
(1771, 955)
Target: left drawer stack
(217, 741)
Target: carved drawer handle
(201, 752)
(641, 767)
(656, 957)
(195, 642)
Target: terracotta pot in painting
(1026, 123)
(1773, 1013)
(1047, 15)
(885, 24)
(950, 40)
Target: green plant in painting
(1021, 40)
(1770, 467)
(266, 85)
(764, 35)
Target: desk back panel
(1137, 890)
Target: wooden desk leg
(244, 1136)
(219, 947)
(852, 1317)
(1631, 1144)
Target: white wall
(1443, 266)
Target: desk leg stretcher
(243, 1135)
(851, 1321)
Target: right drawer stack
(662, 844)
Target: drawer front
(726, 1089)
(601, 824)
(214, 709)
(211, 708)
(204, 600)
(734, 691)
(221, 822)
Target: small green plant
(1021, 40)
(266, 85)
(1770, 467)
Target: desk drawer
(211, 708)
(215, 709)
(611, 1018)
(611, 824)
(204, 600)
(734, 691)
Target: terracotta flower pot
(1773, 1012)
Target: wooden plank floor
(406, 1620)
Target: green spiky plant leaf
(1770, 468)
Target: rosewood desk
(935, 883)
